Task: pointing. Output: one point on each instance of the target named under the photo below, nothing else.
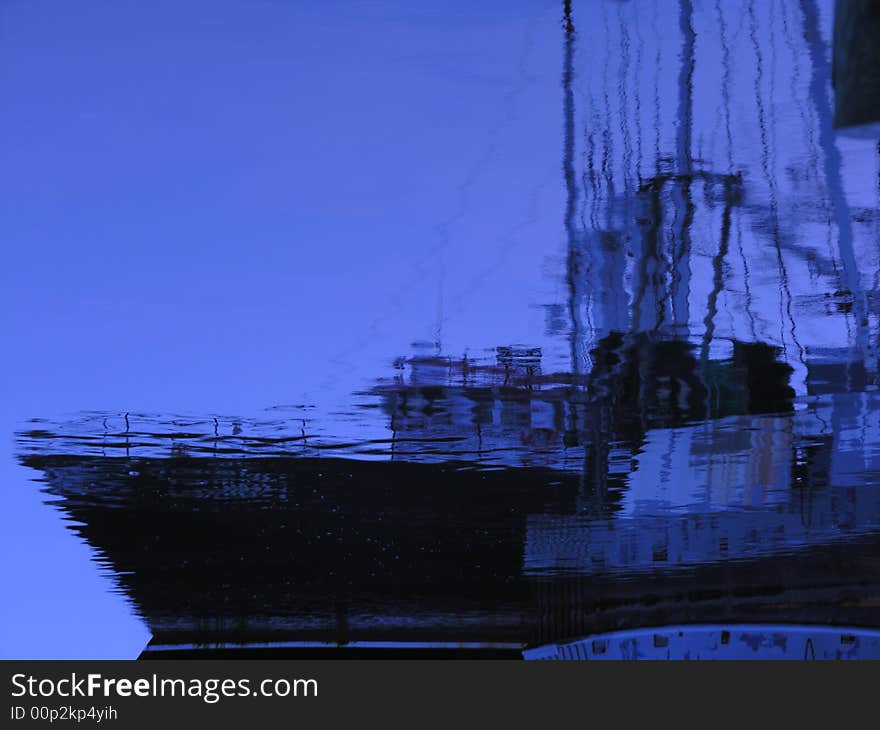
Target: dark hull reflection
(228, 551)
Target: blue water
(618, 259)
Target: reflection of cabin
(512, 412)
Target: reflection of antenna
(717, 272)
(640, 45)
(685, 84)
(623, 101)
(876, 283)
(608, 135)
(657, 59)
(819, 94)
(590, 177)
(725, 95)
(725, 83)
(573, 268)
(813, 155)
(681, 252)
(770, 179)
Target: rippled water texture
(612, 375)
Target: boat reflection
(772, 518)
(694, 444)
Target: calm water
(396, 327)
